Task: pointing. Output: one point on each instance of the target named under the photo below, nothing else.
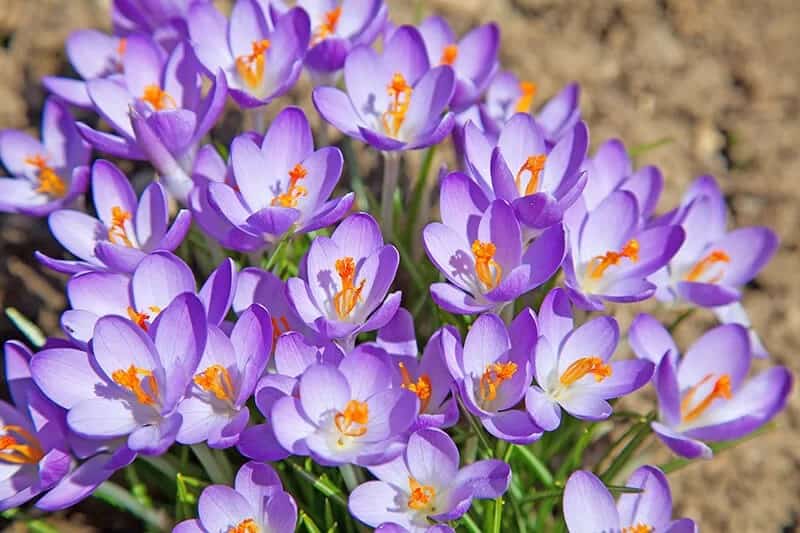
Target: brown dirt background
(718, 77)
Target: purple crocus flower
(156, 282)
(346, 414)
(281, 187)
(215, 410)
(508, 95)
(540, 182)
(573, 368)
(343, 291)
(93, 54)
(256, 503)
(394, 100)
(260, 62)
(157, 110)
(713, 264)
(426, 377)
(735, 313)
(493, 370)
(611, 256)
(589, 506)
(293, 356)
(34, 453)
(131, 381)
(473, 57)
(425, 485)
(479, 248)
(336, 26)
(46, 175)
(164, 21)
(705, 396)
(125, 229)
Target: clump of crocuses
(435, 360)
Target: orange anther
(49, 181)
(245, 526)
(421, 495)
(251, 67)
(422, 387)
(528, 90)
(583, 366)
(117, 230)
(131, 379)
(19, 448)
(702, 266)
(294, 191)
(598, 265)
(721, 389)
(449, 54)
(488, 270)
(494, 376)
(533, 164)
(158, 98)
(348, 296)
(328, 26)
(217, 380)
(352, 422)
(400, 93)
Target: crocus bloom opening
(589, 506)
(46, 175)
(425, 485)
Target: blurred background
(718, 79)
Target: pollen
(533, 164)
(638, 528)
(122, 45)
(488, 270)
(449, 55)
(348, 296)
(494, 376)
(400, 94)
(143, 319)
(294, 192)
(158, 98)
(705, 264)
(598, 265)
(117, 233)
(247, 525)
(352, 422)
(217, 380)
(49, 181)
(134, 380)
(528, 91)
(18, 446)
(421, 495)
(279, 326)
(584, 366)
(251, 67)
(329, 23)
(422, 387)
(721, 389)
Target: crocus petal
(588, 505)
(650, 340)
(488, 478)
(432, 457)
(544, 411)
(65, 375)
(221, 508)
(101, 418)
(514, 425)
(680, 444)
(653, 506)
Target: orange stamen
(422, 387)
(328, 27)
(449, 54)
(23, 448)
(638, 528)
(528, 90)
(117, 230)
(488, 270)
(245, 526)
(421, 495)
(533, 164)
(277, 324)
(49, 181)
(251, 67)
(142, 319)
(158, 98)
(722, 389)
(598, 265)
(131, 379)
(294, 192)
(348, 296)
(493, 377)
(122, 45)
(702, 266)
(583, 366)
(400, 93)
(352, 422)
(216, 380)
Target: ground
(720, 78)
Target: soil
(719, 78)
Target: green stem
(217, 472)
(121, 498)
(470, 524)
(497, 515)
(576, 456)
(273, 257)
(683, 316)
(476, 428)
(627, 452)
(538, 468)
(614, 445)
(391, 170)
(309, 523)
(323, 486)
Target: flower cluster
(292, 346)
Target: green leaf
(26, 326)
